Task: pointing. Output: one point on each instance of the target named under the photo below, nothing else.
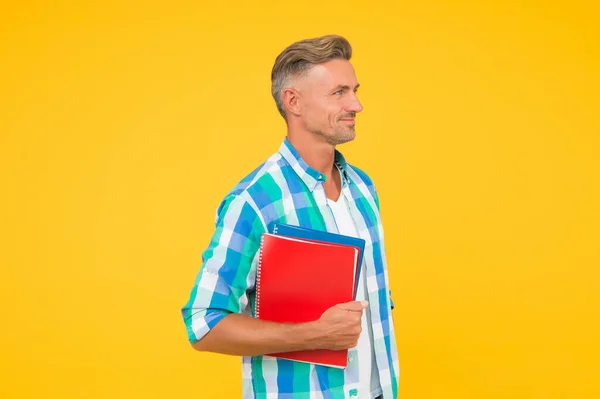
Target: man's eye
(338, 92)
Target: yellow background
(123, 125)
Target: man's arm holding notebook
(241, 335)
(213, 314)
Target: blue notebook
(289, 230)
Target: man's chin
(337, 138)
(346, 138)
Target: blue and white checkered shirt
(284, 189)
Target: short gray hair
(300, 56)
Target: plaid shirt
(284, 189)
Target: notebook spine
(258, 273)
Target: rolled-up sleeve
(227, 273)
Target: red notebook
(300, 279)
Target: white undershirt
(367, 372)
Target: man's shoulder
(360, 177)
(255, 183)
(257, 179)
(361, 174)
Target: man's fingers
(354, 306)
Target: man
(307, 183)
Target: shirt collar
(310, 176)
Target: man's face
(328, 101)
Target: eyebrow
(346, 87)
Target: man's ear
(291, 101)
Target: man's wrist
(307, 336)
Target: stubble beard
(339, 136)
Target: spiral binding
(258, 272)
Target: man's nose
(354, 105)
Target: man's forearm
(242, 335)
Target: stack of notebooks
(302, 273)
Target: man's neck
(317, 154)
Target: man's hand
(340, 326)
